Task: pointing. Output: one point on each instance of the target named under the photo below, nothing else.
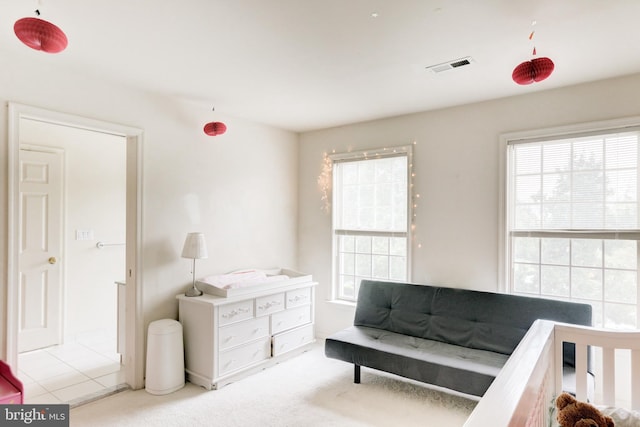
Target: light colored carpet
(307, 390)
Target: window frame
(505, 253)
(371, 154)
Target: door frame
(134, 336)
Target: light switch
(84, 234)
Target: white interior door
(40, 242)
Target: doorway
(73, 248)
(130, 276)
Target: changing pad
(250, 280)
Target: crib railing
(523, 393)
(609, 366)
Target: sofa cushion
(474, 319)
(466, 370)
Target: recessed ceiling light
(374, 14)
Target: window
(370, 218)
(572, 221)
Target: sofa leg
(356, 374)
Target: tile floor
(75, 372)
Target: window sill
(343, 304)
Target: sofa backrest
(475, 319)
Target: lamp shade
(535, 70)
(195, 246)
(215, 128)
(41, 35)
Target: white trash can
(165, 357)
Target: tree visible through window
(370, 218)
(573, 227)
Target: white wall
(240, 188)
(244, 191)
(456, 166)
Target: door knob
(52, 260)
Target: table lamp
(195, 248)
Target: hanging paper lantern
(41, 35)
(535, 70)
(215, 128)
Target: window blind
(586, 183)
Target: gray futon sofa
(453, 338)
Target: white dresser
(228, 337)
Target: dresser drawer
(269, 304)
(236, 312)
(243, 332)
(246, 355)
(293, 339)
(298, 297)
(290, 319)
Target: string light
(414, 199)
(324, 182)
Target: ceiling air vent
(446, 66)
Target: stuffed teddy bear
(573, 413)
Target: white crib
(523, 394)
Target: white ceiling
(309, 64)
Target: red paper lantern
(535, 70)
(215, 128)
(41, 35)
